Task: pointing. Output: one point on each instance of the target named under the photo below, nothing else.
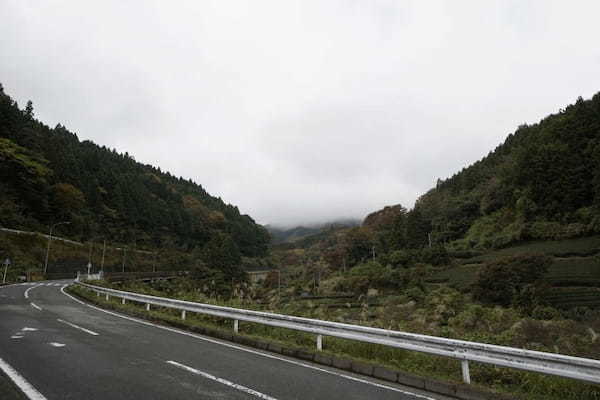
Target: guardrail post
(123, 300)
(236, 325)
(106, 296)
(97, 294)
(465, 371)
(183, 314)
(320, 342)
(148, 307)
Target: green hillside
(48, 175)
(543, 182)
(536, 193)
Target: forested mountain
(289, 235)
(542, 183)
(49, 175)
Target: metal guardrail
(583, 369)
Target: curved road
(66, 349)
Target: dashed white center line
(21, 382)
(17, 337)
(36, 306)
(55, 344)
(78, 327)
(221, 380)
(256, 352)
(27, 329)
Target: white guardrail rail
(584, 369)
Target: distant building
(258, 276)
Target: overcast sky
(300, 111)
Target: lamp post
(6, 264)
(49, 240)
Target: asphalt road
(65, 349)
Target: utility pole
(6, 264)
(154, 263)
(124, 254)
(103, 251)
(318, 279)
(279, 283)
(373, 249)
(429, 238)
(49, 240)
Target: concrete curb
(458, 391)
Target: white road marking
(17, 337)
(26, 329)
(36, 306)
(55, 344)
(233, 346)
(62, 289)
(78, 327)
(21, 382)
(26, 294)
(223, 381)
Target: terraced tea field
(575, 271)
(581, 247)
(569, 297)
(574, 275)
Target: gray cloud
(299, 111)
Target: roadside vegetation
(506, 304)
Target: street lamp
(49, 240)
(6, 264)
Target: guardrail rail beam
(584, 369)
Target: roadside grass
(518, 383)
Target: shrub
(436, 255)
(545, 312)
(514, 279)
(414, 293)
(401, 258)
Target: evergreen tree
(29, 109)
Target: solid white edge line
(26, 387)
(36, 306)
(233, 346)
(62, 289)
(222, 381)
(78, 327)
(26, 294)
